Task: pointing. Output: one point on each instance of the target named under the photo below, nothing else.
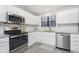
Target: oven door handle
(14, 36)
(17, 36)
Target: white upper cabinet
(3, 10)
(67, 16)
(29, 18)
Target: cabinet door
(67, 16)
(31, 19)
(32, 38)
(3, 11)
(59, 17)
(4, 47)
(74, 42)
(62, 17)
(73, 15)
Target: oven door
(17, 41)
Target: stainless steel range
(16, 39)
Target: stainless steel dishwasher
(63, 41)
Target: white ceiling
(42, 9)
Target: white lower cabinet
(74, 42)
(42, 37)
(4, 45)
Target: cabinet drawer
(75, 39)
(75, 49)
(75, 42)
(75, 35)
(75, 46)
(4, 40)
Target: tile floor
(41, 48)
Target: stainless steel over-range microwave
(13, 18)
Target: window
(48, 21)
(52, 21)
(44, 22)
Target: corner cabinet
(74, 42)
(67, 16)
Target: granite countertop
(66, 33)
(41, 31)
(55, 32)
